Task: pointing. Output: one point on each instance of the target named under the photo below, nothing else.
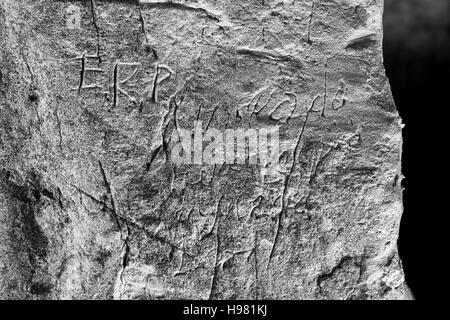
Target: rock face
(93, 96)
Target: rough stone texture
(90, 206)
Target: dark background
(417, 60)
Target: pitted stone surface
(91, 93)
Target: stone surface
(91, 207)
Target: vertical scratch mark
(141, 19)
(310, 22)
(216, 267)
(97, 29)
(212, 117)
(144, 31)
(82, 72)
(286, 183)
(29, 70)
(118, 220)
(216, 260)
(199, 112)
(109, 193)
(255, 252)
(58, 122)
(325, 89)
(155, 83)
(116, 79)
